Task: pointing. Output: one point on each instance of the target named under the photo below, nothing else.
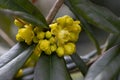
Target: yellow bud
(19, 38)
(52, 40)
(69, 48)
(76, 22)
(63, 36)
(20, 73)
(28, 26)
(61, 21)
(37, 51)
(41, 35)
(69, 21)
(35, 39)
(44, 45)
(53, 47)
(74, 36)
(30, 62)
(60, 51)
(37, 29)
(53, 28)
(48, 51)
(48, 34)
(76, 28)
(18, 23)
(26, 34)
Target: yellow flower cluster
(61, 37)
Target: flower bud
(26, 34)
(41, 35)
(35, 39)
(53, 28)
(20, 73)
(53, 47)
(69, 21)
(69, 48)
(37, 51)
(61, 21)
(18, 23)
(37, 29)
(52, 40)
(62, 37)
(60, 51)
(19, 38)
(44, 45)
(48, 34)
(73, 37)
(48, 51)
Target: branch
(6, 38)
(54, 10)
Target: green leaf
(106, 67)
(113, 5)
(80, 63)
(14, 62)
(112, 40)
(51, 68)
(95, 15)
(25, 10)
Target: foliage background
(85, 45)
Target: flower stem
(54, 10)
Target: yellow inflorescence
(61, 37)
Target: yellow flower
(37, 29)
(69, 21)
(62, 37)
(18, 23)
(69, 48)
(44, 45)
(54, 28)
(61, 21)
(48, 51)
(52, 40)
(53, 47)
(19, 38)
(76, 28)
(60, 51)
(20, 73)
(35, 39)
(48, 34)
(37, 51)
(25, 34)
(74, 37)
(41, 35)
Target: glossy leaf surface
(51, 68)
(12, 63)
(25, 10)
(106, 67)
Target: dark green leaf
(113, 5)
(106, 67)
(112, 40)
(11, 66)
(80, 64)
(24, 10)
(51, 68)
(95, 15)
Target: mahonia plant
(60, 38)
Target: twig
(54, 10)
(6, 38)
